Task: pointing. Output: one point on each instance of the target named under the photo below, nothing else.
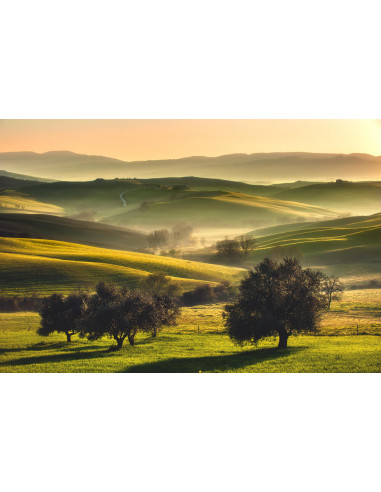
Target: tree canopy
(63, 314)
(159, 284)
(276, 299)
(119, 313)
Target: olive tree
(159, 284)
(276, 299)
(120, 313)
(333, 288)
(63, 314)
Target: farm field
(198, 343)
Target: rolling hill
(272, 167)
(42, 266)
(10, 183)
(218, 209)
(359, 198)
(25, 177)
(350, 247)
(16, 201)
(70, 230)
(159, 203)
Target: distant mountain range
(259, 167)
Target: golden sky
(161, 139)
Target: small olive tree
(63, 314)
(333, 288)
(158, 239)
(276, 298)
(159, 284)
(119, 313)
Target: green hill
(350, 246)
(358, 198)
(24, 177)
(155, 203)
(70, 230)
(16, 201)
(10, 183)
(42, 266)
(218, 209)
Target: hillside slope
(70, 230)
(359, 198)
(350, 247)
(218, 209)
(15, 201)
(43, 266)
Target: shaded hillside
(358, 197)
(70, 230)
(44, 266)
(25, 177)
(273, 167)
(9, 183)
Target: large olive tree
(276, 299)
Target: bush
(207, 294)
(15, 303)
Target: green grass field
(198, 343)
(41, 267)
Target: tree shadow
(78, 353)
(212, 363)
(38, 347)
(159, 338)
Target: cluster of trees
(279, 299)
(112, 311)
(163, 238)
(234, 250)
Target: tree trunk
(283, 337)
(119, 342)
(329, 300)
(68, 337)
(154, 332)
(131, 339)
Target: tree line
(112, 311)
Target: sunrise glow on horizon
(131, 140)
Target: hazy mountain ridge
(275, 167)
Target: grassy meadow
(198, 343)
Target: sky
(162, 139)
